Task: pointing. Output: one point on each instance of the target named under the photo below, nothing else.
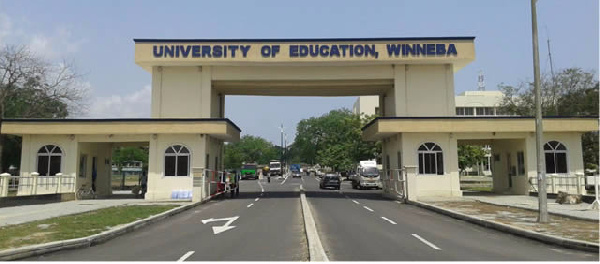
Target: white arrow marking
(223, 228)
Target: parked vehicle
(330, 180)
(249, 171)
(275, 168)
(367, 176)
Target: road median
(315, 248)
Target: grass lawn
(74, 226)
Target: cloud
(5, 26)
(54, 45)
(135, 105)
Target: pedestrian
(144, 182)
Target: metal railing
(560, 182)
(35, 185)
(394, 182)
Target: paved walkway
(581, 210)
(26, 213)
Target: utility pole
(542, 196)
(281, 158)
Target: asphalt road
(353, 225)
(269, 228)
(360, 225)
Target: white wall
(432, 185)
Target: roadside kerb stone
(83, 242)
(315, 248)
(549, 239)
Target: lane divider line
(426, 242)
(391, 222)
(368, 208)
(185, 256)
(284, 180)
(250, 205)
(256, 200)
(354, 201)
(262, 190)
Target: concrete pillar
(199, 184)
(411, 183)
(400, 90)
(59, 182)
(4, 181)
(34, 183)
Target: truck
(366, 176)
(275, 168)
(249, 171)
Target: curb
(548, 239)
(315, 248)
(92, 240)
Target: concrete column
(35, 177)
(206, 98)
(411, 183)
(400, 90)
(156, 92)
(58, 187)
(4, 181)
(199, 184)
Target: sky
(97, 38)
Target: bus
(249, 171)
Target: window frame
(438, 155)
(177, 154)
(554, 151)
(49, 154)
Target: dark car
(330, 180)
(296, 174)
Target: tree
(469, 156)
(334, 140)
(572, 92)
(31, 87)
(249, 149)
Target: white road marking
(316, 179)
(368, 208)
(284, 180)
(261, 187)
(391, 222)
(426, 242)
(223, 228)
(398, 202)
(184, 257)
(250, 205)
(256, 200)
(354, 201)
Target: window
(49, 160)
(431, 159)
(177, 161)
(521, 162)
(556, 157)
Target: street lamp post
(542, 198)
(281, 157)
